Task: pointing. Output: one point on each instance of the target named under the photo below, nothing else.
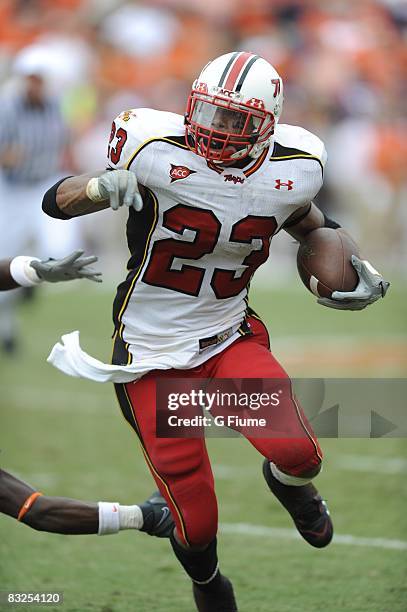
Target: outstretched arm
(23, 271)
(74, 517)
(6, 280)
(52, 514)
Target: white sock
(286, 479)
(113, 517)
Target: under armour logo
(279, 184)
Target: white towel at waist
(68, 357)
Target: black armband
(49, 202)
(330, 222)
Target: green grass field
(66, 437)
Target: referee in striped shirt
(33, 148)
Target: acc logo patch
(180, 172)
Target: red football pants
(181, 466)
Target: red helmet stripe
(236, 69)
(245, 72)
(228, 65)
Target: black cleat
(220, 598)
(307, 508)
(157, 517)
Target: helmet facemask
(225, 129)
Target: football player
(60, 514)
(76, 517)
(206, 194)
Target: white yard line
(339, 340)
(228, 472)
(260, 531)
(346, 462)
(370, 463)
(257, 531)
(46, 399)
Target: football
(324, 262)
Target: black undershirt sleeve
(330, 222)
(298, 219)
(49, 202)
(327, 221)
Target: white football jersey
(203, 232)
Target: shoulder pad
(294, 141)
(134, 128)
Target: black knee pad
(311, 473)
(200, 565)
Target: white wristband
(92, 190)
(108, 518)
(22, 272)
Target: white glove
(371, 287)
(118, 186)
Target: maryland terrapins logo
(127, 115)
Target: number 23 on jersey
(188, 279)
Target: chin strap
(258, 149)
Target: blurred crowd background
(343, 63)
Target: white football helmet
(233, 107)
